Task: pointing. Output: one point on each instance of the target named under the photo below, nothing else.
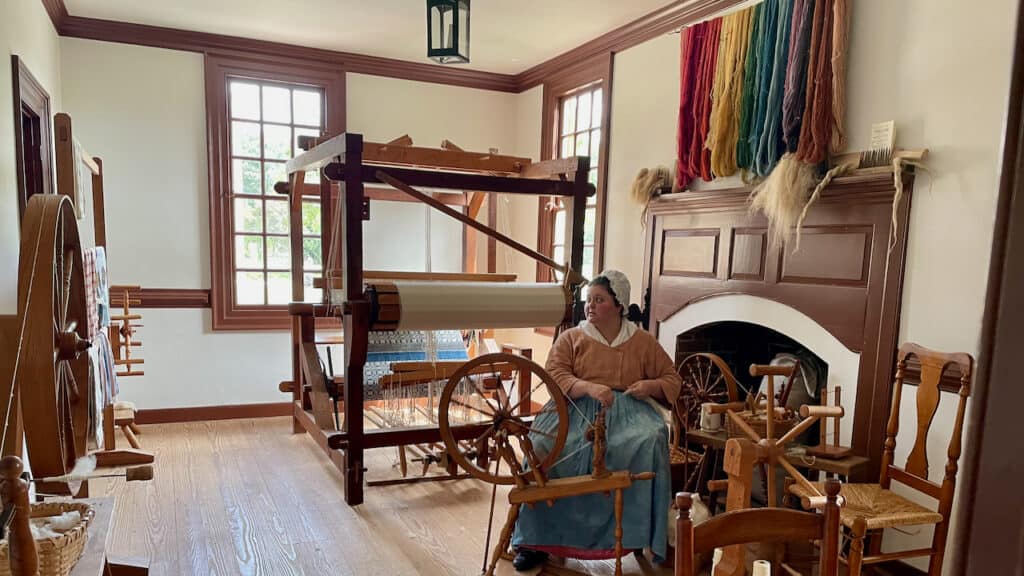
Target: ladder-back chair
(871, 508)
(764, 525)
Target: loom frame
(347, 159)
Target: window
(576, 119)
(266, 122)
(257, 110)
(580, 123)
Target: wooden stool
(124, 416)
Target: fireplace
(745, 330)
(708, 264)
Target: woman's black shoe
(526, 559)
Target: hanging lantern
(448, 31)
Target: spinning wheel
(706, 378)
(475, 395)
(54, 387)
(480, 394)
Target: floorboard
(248, 497)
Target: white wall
(645, 100)
(902, 55)
(143, 112)
(953, 210)
(25, 31)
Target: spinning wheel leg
(506, 537)
(618, 532)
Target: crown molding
(58, 12)
(203, 42)
(656, 23)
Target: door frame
(29, 94)
(990, 507)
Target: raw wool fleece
(786, 196)
(781, 197)
(647, 181)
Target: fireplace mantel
(702, 244)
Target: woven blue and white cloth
(383, 348)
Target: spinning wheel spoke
(531, 430)
(532, 390)
(70, 383)
(487, 433)
(473, 408)
(66, 268)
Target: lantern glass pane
(463, 46)
(436, 26)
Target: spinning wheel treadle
(493, 401)
(52, 314)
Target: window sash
(586, 127)
(303, 78)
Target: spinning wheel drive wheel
(53, 371)
(706, 378)
(485, 391)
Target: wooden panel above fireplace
(844, 276)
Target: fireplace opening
(740, 344)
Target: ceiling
(507, 36)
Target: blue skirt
(584, 526)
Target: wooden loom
(73, 164)
(365, 306)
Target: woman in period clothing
(606, 361)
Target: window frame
(219, 69)
(581, 78)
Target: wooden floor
(250, 497)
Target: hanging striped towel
(92, 285)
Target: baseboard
(203, 413)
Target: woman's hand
(644, 388)
(602, 394)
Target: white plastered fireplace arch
(843, 363)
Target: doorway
(31, 134)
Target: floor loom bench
(367, 307)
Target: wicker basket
(759, 423)
(57, 556)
